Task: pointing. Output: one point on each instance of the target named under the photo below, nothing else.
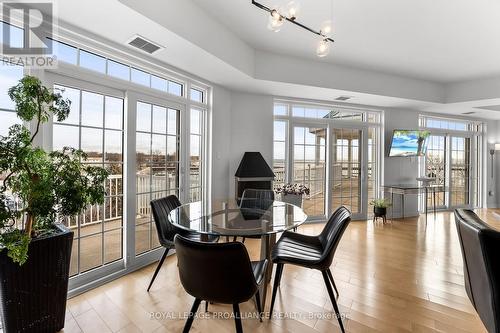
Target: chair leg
(332, 298)
(277, 279)
(333, 282)
(259, 306)
(237, 318)
(158, 268)
(206, 306)
(190, 319)
(243, 240)
(235, 238)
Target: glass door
(460, 171)
(347, 171)
(309, 166)
(435, 166)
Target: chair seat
(297, 249)
(259, 269)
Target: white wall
(241, 122)
(400, 170)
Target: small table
(405, 189)
(227, 219)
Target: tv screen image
(408, 143)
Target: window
(92, 61)
(9, 76)
(157, 166)
(95, 125)
(89, 60)
(140, 77)
(195, 154)
(328, 148)
(65, 52)
(325, 113)
(159, 83)
(174, 88)
(197, 95)
(448, 124)
(118, 70)
(279, 151)
(16, 35)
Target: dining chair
(480, 245)
(315, 252)
(256, 199)
(220, 273)
(166, 231)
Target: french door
(348, 170)
(450, 159)
(337, 163)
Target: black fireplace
(254, 173)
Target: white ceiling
(437, 40)
(388, 53)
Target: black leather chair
(219, 273)
(166, 230)
(256, 199)
(480, 247)
(315, 252)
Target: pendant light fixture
(278, 16)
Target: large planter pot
(294, 199)
(379, 211)
(33, 296)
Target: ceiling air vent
(144, 45)
(343, 98)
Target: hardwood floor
(401, 277)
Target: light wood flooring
(401, 277)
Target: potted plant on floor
(292, 193)
(38, 190)
(380, 207)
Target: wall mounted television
(406, 143)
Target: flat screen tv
(407, 143)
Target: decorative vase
(294, 199)
(33, 295)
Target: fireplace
(253, 172)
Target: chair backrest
(480, 247)
(161, 208)
(215, 272)
(332, 233)
(255, 198)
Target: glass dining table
(253, 219)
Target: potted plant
(39, 189)
(292, 193)
(380, 207)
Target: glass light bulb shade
(327, 28)
(292, 9)
(323, 49)
(274, 24)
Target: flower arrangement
(297, 189)
(380, 203)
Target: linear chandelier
(278, 16)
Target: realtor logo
(35, 19)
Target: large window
(328, 148)
(157, 166)
(196, 154)
(95, 125)
(9, 76)
(453, 158)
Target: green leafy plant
(381, 203)
(40, 187)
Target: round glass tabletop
(230, 219)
